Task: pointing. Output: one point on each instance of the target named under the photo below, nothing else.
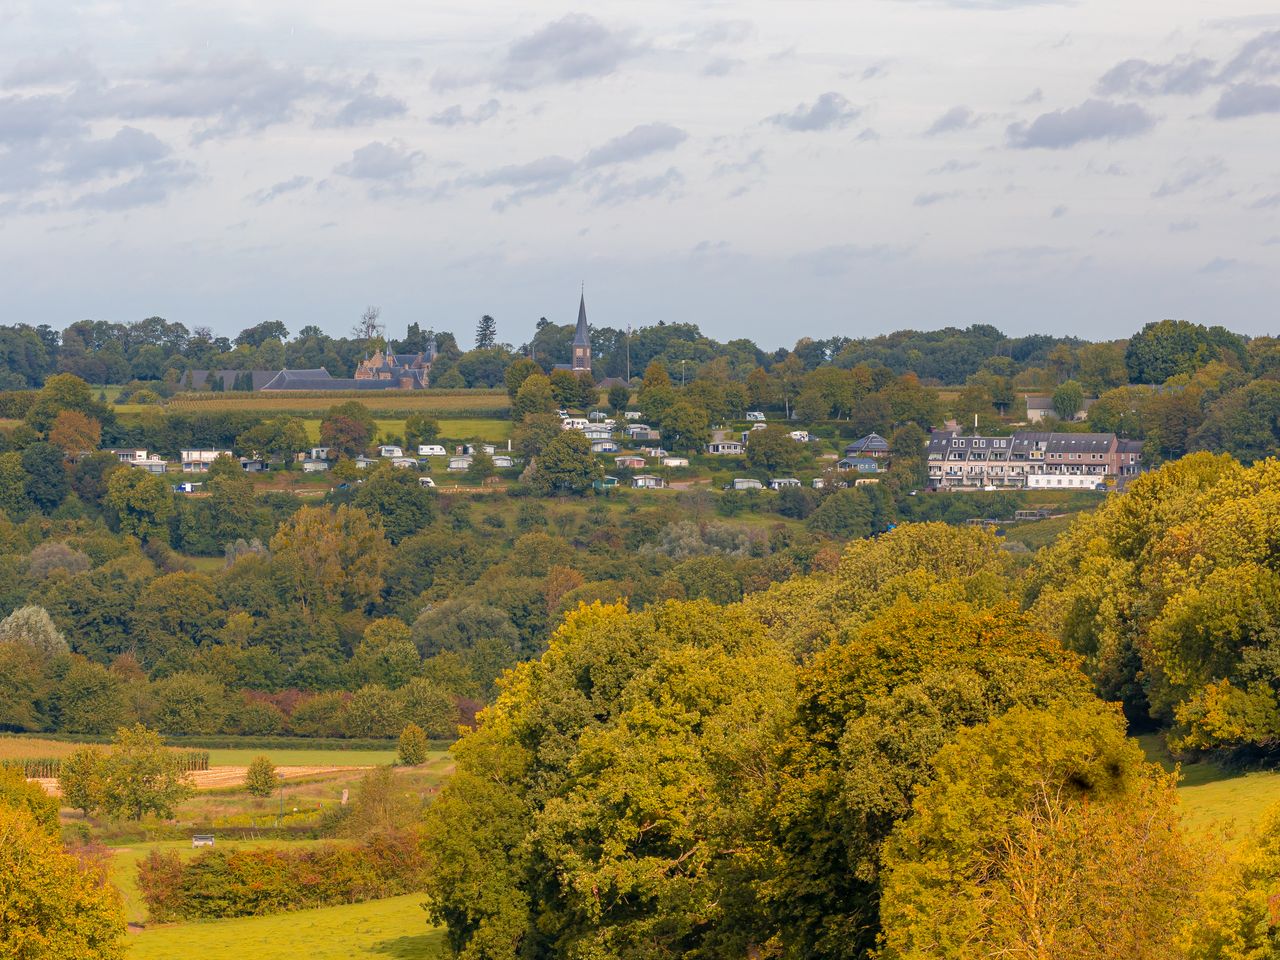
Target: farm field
(451, 429)
(302, 757)
(393, 929)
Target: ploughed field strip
(216, 778)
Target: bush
(16, 792)
(413, 745)
(239, 883)
(260, 780)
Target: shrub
(260, 780)
(18, 793)
(413, 745)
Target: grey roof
(871, 443)
(320, 380)
(200, 378)
(582, 336)
(1039, 403)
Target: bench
(202, 840)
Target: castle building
(408, 371)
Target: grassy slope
(302, 757)
(1214, 797)
(395, 928)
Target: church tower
(582, 339)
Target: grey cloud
(1257, 59)
(1247, 100)
(277, 190)
(1184, 226)
(1058, 213)
(1092, 120)
(1191, 173)
(456, 116)
(613, 192)
(575, 47)
(1184, 76)
(868, 136)
(36, 118)
(721, 66)
(380, 161)
(1266, 203)
(544, 170)
(956, 166)
(638, 142)
(929, 199)
(365, 108)
(752, 163)
(128, 148)
(838, 260)
(724, 32)
(1219, 265)
(829, 111)
(59, 68)
(957, 118)
(876, 70)
(152, 186)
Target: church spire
(582, 336)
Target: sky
(764, 169)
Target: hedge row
(45, 767)
(252, 882)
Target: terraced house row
(1032, 460)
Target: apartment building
(1032, 460)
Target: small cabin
(648, 482)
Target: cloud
(840, 259)
(1247, 100)
(128, 148)
(575, 47)
(613, 192)
(59, 68)
(536, 178)
(1092, 120)
(277, 190)
(929, 199)
(456, 116)
(363, 109)
(957, 118)
(724, 32)
(1269, 202)
(721, 66)
(1191, 173)
(956, 166)
(151, 187)
(1058, 212)
(381, 161)
(1259, 58)
(1184, 226)
(829, 111)
(752, 163)
(641, 141)
(1182, 76)
(1219, 265)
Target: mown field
(1214, 797)
(393, 929)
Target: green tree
(774, 450)
(141, 776)
(260, 778)
(566, 466)
(65, 391)
(386, 656)
(533, 396)
(517, 373)
(55, 906)
(348, 428)
(331, 558)
(19, 793)
(486, 333)
(1068, 399)
(481, 468)
(685, 427)
(619, 398)
(280, 437)
(142, 502)
(420, 428)
(413, 745)
(187, 703)
(1168, 348)
(396, 498)
(82, 779)
(47, 481)
(1044, 833)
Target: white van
(432, 450)
(426, 482)
(755, 415)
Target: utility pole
(628, 353)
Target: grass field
(393, 929)
(22, 748)
(1216, 798)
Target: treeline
(892, 759)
